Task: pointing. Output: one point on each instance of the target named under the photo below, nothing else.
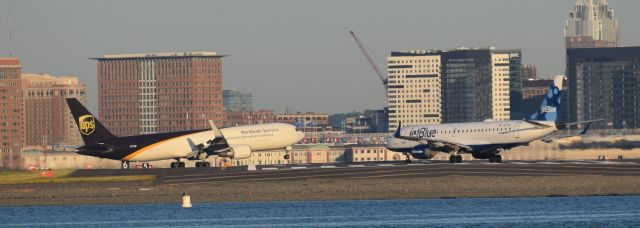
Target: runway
(401, 170)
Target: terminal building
(159, 92)
(462, 85)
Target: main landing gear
(407, 160)
(177, 164)
(455, 158)
(495, 158)
(203, 164)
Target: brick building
(159, 92)
(11, 109)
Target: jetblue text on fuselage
(423, 133)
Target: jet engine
(237, 152)
(422, 152)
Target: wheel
(145, 165)
(181, 164)
(498, 158)
(198, 164)
(173, 165)
(459, 159)
(206, 164)
(452, 159)
(124, 165)
(286, 156)
(492, 159)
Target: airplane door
(516, 130)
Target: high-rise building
(604, 83)
(462, 85)
(414, 90)
(529, 72)
(48, 120)
(159, 92)
(236, 100)
(592, 24)
(11, 113)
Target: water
(609, 211)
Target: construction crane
(373, 64)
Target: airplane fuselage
(479, 136)
(183, 144)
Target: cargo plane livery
(233, 142)
(484, 140)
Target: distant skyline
(295, 55)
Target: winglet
(215, 129)
(397, 134)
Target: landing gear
(495, 158)
(407, 160)
(455, 159)
(177, 164)
(203, 164)
(145, 165)
(124, 165)
(287, 150)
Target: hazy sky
(289, 54)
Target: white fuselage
(475, 134)
(257, 137)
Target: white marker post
(186, 201)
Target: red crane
(373, 64)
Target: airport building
(592, 24)
(159, 92)
(48, 120)
(306, 121)
(12, 129)
(604, 83)
(236, 100)
(462, 85)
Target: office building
(48, 120)
(236, 100)
(529, 72)
(604, 83)
(11, 113)
(462, 85)
(159, 92)
(414, 88)
(592, 24)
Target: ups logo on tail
(87, 124)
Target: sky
(293, 55)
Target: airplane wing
(431, 142)
(218, 143)
(556, 137)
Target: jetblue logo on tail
(551, 102)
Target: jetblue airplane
(484, 140)
(233, 142)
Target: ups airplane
(233, 142)
(484, 140)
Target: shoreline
(118, 193)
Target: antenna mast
(10, 27)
